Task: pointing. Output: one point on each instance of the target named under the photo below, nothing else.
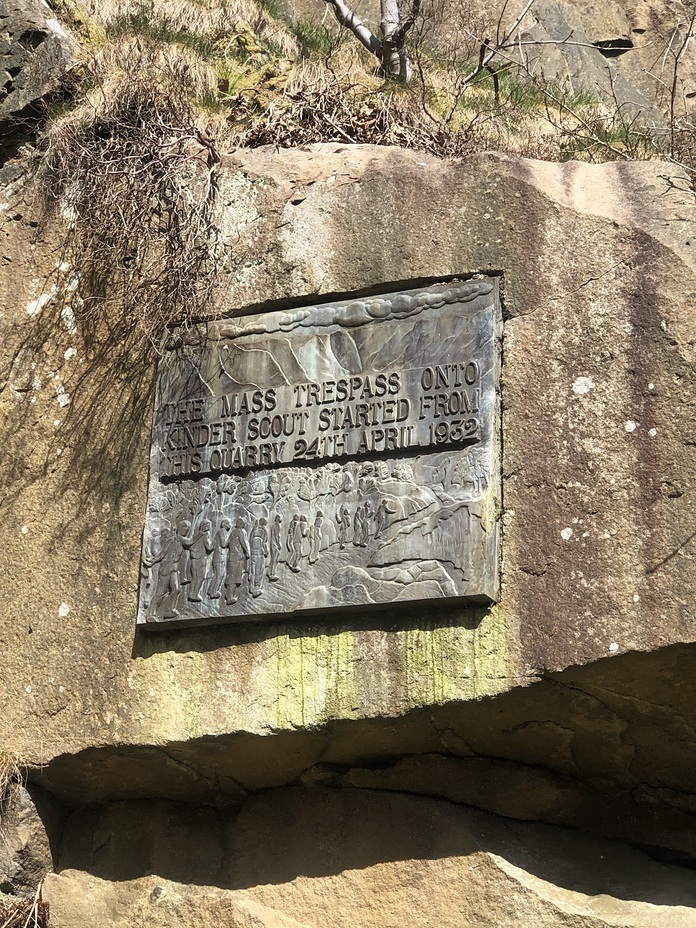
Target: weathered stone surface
(569, 701)
(25, 847)
(598, 465)
(621, 51)
(572, 750)
(345, 858)
(643, 32)
(77, 901)
(567, 54)
(498, 786)
(37, 53)
(659, 818)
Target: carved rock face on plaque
(337, 455)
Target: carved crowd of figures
(238, 536)
(197, 562)
(189, 560)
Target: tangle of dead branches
(136, 178)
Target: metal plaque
(334, 456)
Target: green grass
(314, 38)
(274, 9)
(524, 94)
(144, 25)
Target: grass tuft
(10, 773)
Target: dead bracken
(28, 912)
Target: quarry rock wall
(568, 702)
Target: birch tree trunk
(390, 23)
(391, 51)
(346, 17)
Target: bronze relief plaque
(342, 455)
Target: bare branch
(346, 17)
(485, 59)
(675, 80)
(563, 42)
(557, 99)
(140, 176)
(410, 20)
(499, 27)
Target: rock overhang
(597, 295)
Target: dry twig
(317, 107)
(26, 912)
(137, 178)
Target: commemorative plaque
(333, 456)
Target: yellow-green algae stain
(447, 662)
(302, 676)
(315, 679)
(355, 674)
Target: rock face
(325, 858)
(37, 54)
(629, 32)
(616, 50)
(568, 702)
(25, 851)
(598, 275)
(592, 64)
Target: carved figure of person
(358, 520)
(174, 563)
(220, 555)
(199, 545)
(382, 517)
(152, 557)
(258, 546)
(238, 553)
(365, 528)
(315, 537)
(343, 520)
(291, 533)
(183, 528)
(296, 532)
(276, 546)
